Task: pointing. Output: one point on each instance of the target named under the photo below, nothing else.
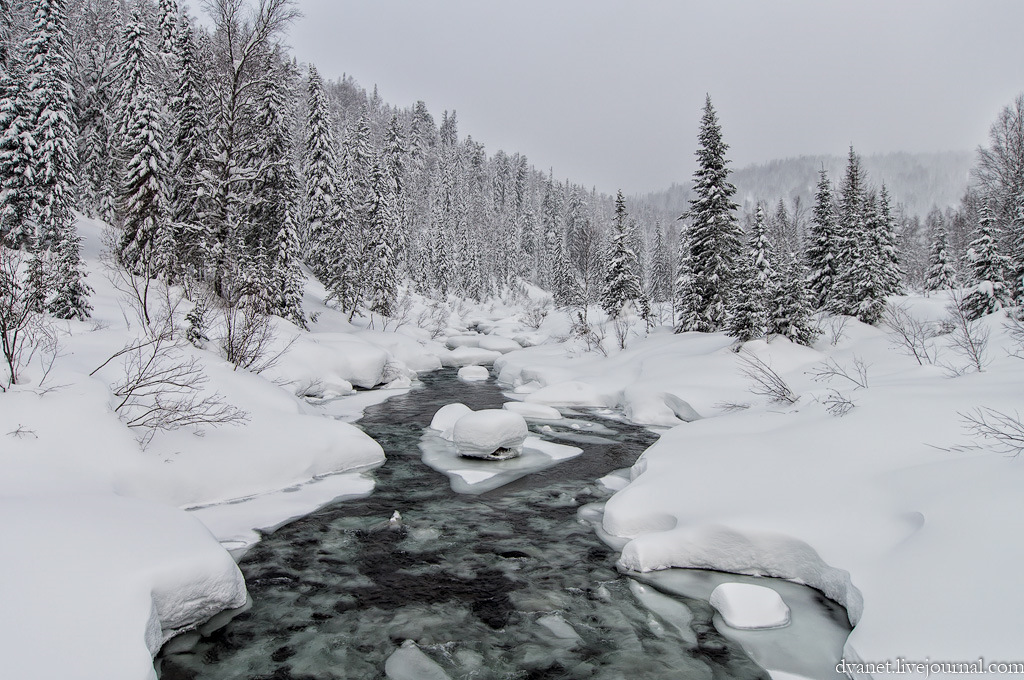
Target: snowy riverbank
(919, 543)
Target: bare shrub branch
(1003, 431)
(764, 381)
(26, 334)
(837, 403)
(835, 325)
(911, 335)
(857, 374)
(968, 338)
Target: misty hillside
(917, 181)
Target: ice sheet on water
(409, 663)
(477, 476)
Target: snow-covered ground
(885, 509)
(889, 509)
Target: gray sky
(609, 93)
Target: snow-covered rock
(496, 343)
(474, 373)
(408, 662)
(533, 411)
(469, 356)
(748, 606)
(457, 341)
(491, 433)
(446, 417)
(570, 393)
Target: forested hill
(917, 181)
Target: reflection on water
(505, 584)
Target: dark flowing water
(483, 584)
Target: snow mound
(446, 417)
(142, 573)
(533, 411)
(748, 606)
(474, 373)
(569, 393)
(469, 356)
(497, 343)
(409, 663)
(457, 341)
(494, 434)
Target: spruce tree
(715, 236)
(790, 309)
(70, 292)
(382, 225)
(940, 275)
(661, 268)
(621, 283)
(322, 195)
(17, 149)
(748, 317)
(887, 251)
(988, 268)
(822, 250)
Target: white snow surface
(93, 584)
(532, 411)
(445, 418)
(489, 432)
(749, 607)
(408, 662)
(883, 509)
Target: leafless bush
(913, 336)
(161, 388)
(434, 318)
(730, 406)
(857, 374)
(623, 325)
(764, 381)
(25, 333)
(593, 335)
(1003, 431)
(968, 338)
(249, 338)
(1015, 326)
(837, 403)
(401, 314)
(834, 326)
(534, 314)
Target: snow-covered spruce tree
(567, 290)
(168, 18)
(822, 249)
(940, 275)
(866, 281)
(70, 292)
(684, 297)
(146, 246)
(851, 239)
(275, 191)
(790, 309)
(322, 197)
(49, 98)
(621, 283)
(188, 155)
(714, 235)
(395, 159)
(17, 148)
(661, 268)
(988, 269)
(886, 253)
(381, 230)
(748, 314)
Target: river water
(508, 584)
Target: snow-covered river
(506, 584)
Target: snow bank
(532, 411)
(495, 434)
(469, 356)
(750, 607)
(878, 509)
(93, 585)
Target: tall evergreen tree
(790, 308)
(322, 191)
(382, 226)
(885, 242)
(17, 149)
(748, 316)
(988, 267)
(822, 250)
(940, 275)
(715, 237)
(661, 267)
(70, 291)
(621, 283)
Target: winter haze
(609, 93)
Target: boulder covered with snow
(457, 341)
(474, 373)
(532, 411)
(494, 434)
(496, 343)
(469, 356)
(749, 607)
(446, 417)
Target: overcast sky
(609, 93)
